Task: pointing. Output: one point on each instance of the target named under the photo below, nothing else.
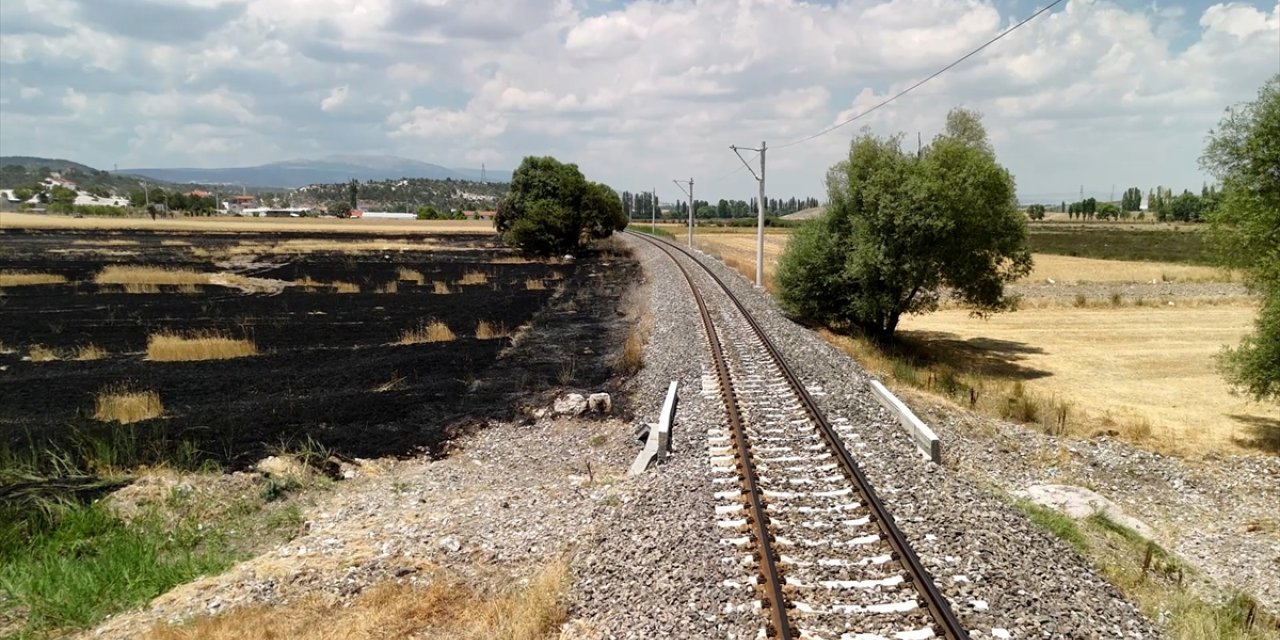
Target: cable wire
(918, 84)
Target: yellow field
(1069, 270)
(13, 220)
(1124, 364)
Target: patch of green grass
(91, 563)
(639, 227)
(1156, 580)
(1056, 523)
(1120, 243)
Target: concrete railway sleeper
(829, 561)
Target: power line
(918, 84)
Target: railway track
(822, 557)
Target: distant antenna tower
(483, 178)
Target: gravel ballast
(1002, 574)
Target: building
(198, 193)
(383, 215)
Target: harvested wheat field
(1125, 365)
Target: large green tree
(1244, 153)
(901, 231)
(552, 209)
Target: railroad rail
(781, 441)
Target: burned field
(221, 347)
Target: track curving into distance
(801, 496)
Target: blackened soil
(329, 370)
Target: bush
(551, 209)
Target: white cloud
(337, 98)
(1093, 92)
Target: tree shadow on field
(1263, 433)
(981, 356)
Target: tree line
(1162, 205)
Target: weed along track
(822, 557)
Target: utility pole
(689, 192)
(760, 213)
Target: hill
(27, 171)
(292, 174)
(407, 194)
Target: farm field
(332, 338)
(16, 220)
(1123, 367)
(1129, 342)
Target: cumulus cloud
(336, 98)
(1092, 92)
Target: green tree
(428, 213)
(1108, 210)
(340, 208)
(1035, 212)
(1244, 153)
(22, 193)
(901, 230)
(353, 190)
(552, 209)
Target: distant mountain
(291, 174)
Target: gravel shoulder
(1001, 573)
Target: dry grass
(486, 331)
(22, 279)
(106, 243)
(390, 287)
(446, 609)
(124, 405)
(41, 353)
(410, 275)
(139, 288)
(14, 220)
(169, 346)
(1071, 270)
(311, 285)
(474, 277)
(396, 383)
(428, 331)
(441, 287)
(135, 275)
(535, 284)
(511, 260)
(1146, 373)
(90, 352)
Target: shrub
(551, 209)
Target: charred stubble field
(332, 365)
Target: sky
(1094, 94)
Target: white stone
(450, 544)
(1080, 503)
(573, 404)
(600, 403)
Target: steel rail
(771, 581)
(921, 580)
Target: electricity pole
(689, 192)
(760, 214)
